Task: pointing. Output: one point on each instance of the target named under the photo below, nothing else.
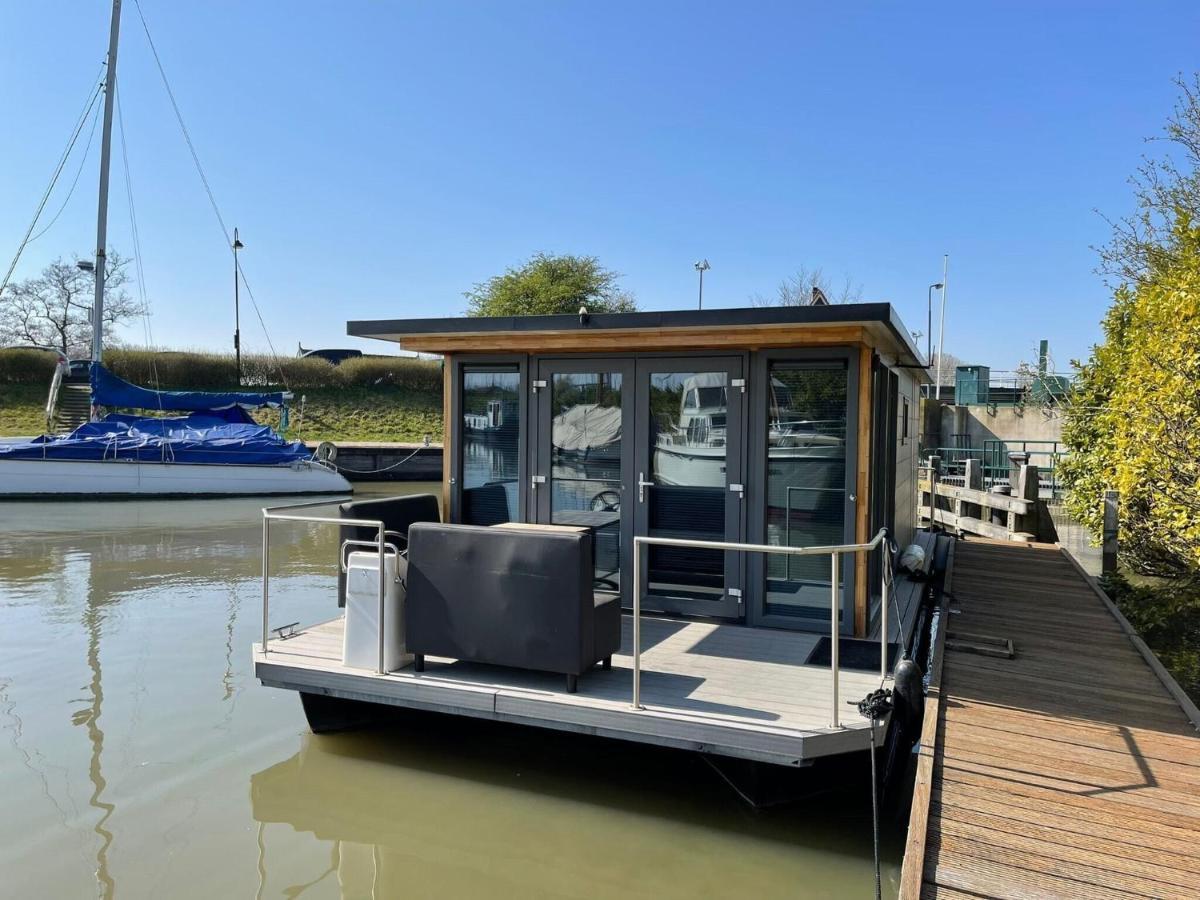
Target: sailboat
(215, 449)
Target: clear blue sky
(380, 158)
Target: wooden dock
(1071, 769)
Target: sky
(380, 158)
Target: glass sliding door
(585, 412)
(490, 444)
(806, 436)
(689, 483)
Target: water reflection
(131, 726)
(441, 807)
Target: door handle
(642, 485)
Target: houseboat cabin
(679, 511)
(785, 426)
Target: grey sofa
(396, 513)
(511, 598)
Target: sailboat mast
(110, 84)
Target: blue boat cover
(109, 390)
(223, 437)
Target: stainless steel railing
(835, 551)
(286, 514)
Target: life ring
(326, 451)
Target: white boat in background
(214, 449)
(73, 479)
(588, 431)
(803, 461)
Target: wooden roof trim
(739, 337)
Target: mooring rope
(875, 706)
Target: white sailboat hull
(30, 478)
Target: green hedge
(215, 371)
(27, 367)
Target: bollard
(1108, 552)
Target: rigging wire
(208, 189)
(143, 298)
(82, 162)
(62, 162)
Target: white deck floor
(724, 689)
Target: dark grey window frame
(756, 475)
(495, 363)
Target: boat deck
(724, 689)
(1071, 769)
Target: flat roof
(454, 333)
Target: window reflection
(585, 474)
(806, 482)
(491, 450)
(688, 469)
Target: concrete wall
(1007, 423)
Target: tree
(797, 290)
(1133, 421)
(549, 285)
(54, 308)
(950, 362)
(1164, 187)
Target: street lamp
(237, 316)
(702, 267)
(929, 322)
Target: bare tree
(1163, 188)
(54, 308)
(800, 289)
(950, 362)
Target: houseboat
(708, 557)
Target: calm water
(139, 758)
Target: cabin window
(490, 446)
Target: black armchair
(396, 513)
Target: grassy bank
(22, 409)
(362, 414)
(368, 399)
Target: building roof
(750, 327)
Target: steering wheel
(606, 501)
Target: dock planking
(1070, 770)
(725, 689)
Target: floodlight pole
(937, 385)
(702, 267)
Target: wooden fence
(967, 508)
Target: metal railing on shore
(835, 552)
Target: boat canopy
(202, 437)
(109, 390)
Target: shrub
(27, 367)
(173, 370)
(421, 375)
(260, 371)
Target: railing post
(265, 567)
(834, 634)
(935, 467)
(1109, 538)
(883, 616)
(382, 593)
(637, 624)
